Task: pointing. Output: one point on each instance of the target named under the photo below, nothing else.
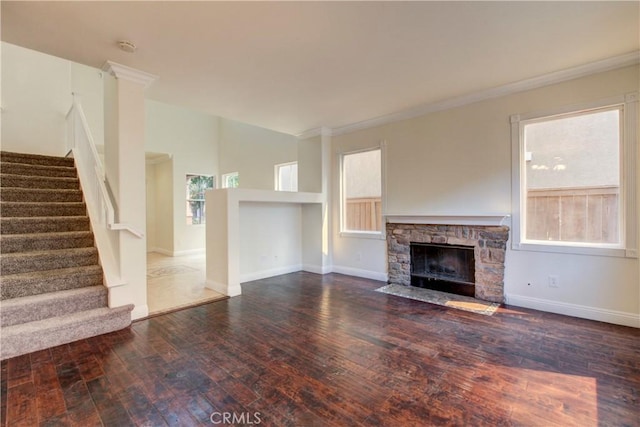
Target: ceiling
(296, 66)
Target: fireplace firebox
(443, 267)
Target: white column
(125, 175)
(314, 175)
(327, 208)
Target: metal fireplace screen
(447, 268)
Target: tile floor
(176, 282)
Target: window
(196, 186)
(230, 180)
(572, 182)
(362, 191)
(287, 176)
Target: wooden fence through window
(574, 214)
(364, 214)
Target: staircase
(51, 285)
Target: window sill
(375, 235)
(576, 250)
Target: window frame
(344, 232)
(187, 199)
(628, 245)
(276, 177)
(225, 176)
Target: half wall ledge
(223, 227)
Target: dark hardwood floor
(310, 350)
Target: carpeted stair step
(44, 224)
(33, 336)
(41, 182)
(51, 284)
(24, 209)
(41, 282)
(11, 243)
(36, 159)
(37, 170)
(9, 194)
(25, 262)
(44, 306)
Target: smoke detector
(127, 46)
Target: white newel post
(125, 175)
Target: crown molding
(608, 64)
(311, 133)
(123, 72)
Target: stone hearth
(489, 243)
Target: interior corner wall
(310, 180)
(310, 165)
(191, 138)
(458, 162)
(253, 152)
(36, 96)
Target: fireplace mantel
(487, 220)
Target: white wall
(36, 96)
(310, 179)
(87, 84)
(270, 239)
(164, 213)
(310, 165)
(152, 206)
(458, 162)
(253, 152)
(191, 138)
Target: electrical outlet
(359, 256)
(554, 281)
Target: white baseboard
(317, 269)
(263, 274)
(160, 251)
(367, 274)
(177, 253)
(575, 310)
(223, 288)
(198, 251)
(139, 312)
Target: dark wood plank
(19, 371)
(21, 405)
(111, 410)
(304, 349)
(141, 408)
(3, 393)
(81, 409)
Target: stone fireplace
(487, 242)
